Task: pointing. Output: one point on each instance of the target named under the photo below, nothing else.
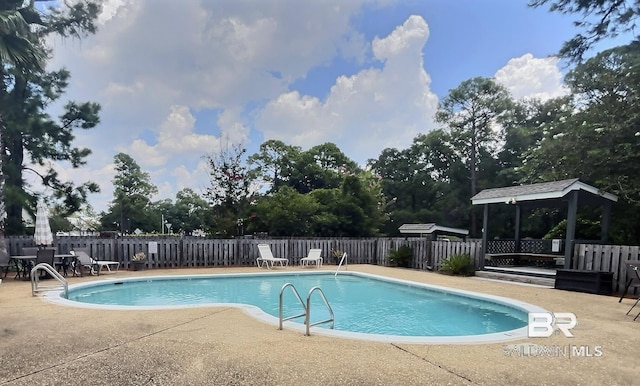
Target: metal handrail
(343, 259)
(326, 303)
(307, 307)
(295, 292)
(51, 271)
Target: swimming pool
(365, 306)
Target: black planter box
(593, 282)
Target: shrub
(337, 255)
(401, 257)
(459, 264)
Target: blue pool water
(362, 304)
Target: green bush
(401, 257)
(459, 264)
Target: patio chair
(312, 257)
(632, 278)
(46, 255)
(30, 251)
(636, 270)
(94, 266)
(266, 257)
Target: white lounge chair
(266, 257)
(312, 257)
(94, 266)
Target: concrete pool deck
(43, 343)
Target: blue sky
(178, 80)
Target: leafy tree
(28, 134)
(229, 192)
(585, 230)
(350, 210)
(328, 220)
(422, 183)
(358, 209)
(18, 46)
(191, 212)
(286, 213)
(321, 167)
(524, 129)
(448, 200)
(601, 19)
(398, 170)
(598, 142)
(273, 163)
(229, 177)
(471, 112)
(132, 192)
(30, 131)
(161, 213)
(19, 52)
(404, 182)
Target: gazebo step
(517, 277)
(524, 270)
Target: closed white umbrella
(43, 235)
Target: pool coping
(254, 311)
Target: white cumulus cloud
(534, 78)
(366, 112)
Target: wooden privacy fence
(609, 258)
(200, 252)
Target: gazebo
(555, 194)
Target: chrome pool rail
(342, 260)
(306, 307)
(297, 295)
(35, 280)
(331, 318)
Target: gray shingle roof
(430, 228)
(540, 191)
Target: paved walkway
(47, 344)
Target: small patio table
(66, 260)
(23, 266)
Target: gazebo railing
(540, 246)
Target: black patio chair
(633, 280)
(636, 269)
(30, 251)
(46, 255)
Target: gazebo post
(485, 230)
(605, 221)
(571, 228)
(517, 226)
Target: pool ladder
(342, 260)
(35, 280)
(307, 307)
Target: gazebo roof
(538, 192)
(423, 229)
